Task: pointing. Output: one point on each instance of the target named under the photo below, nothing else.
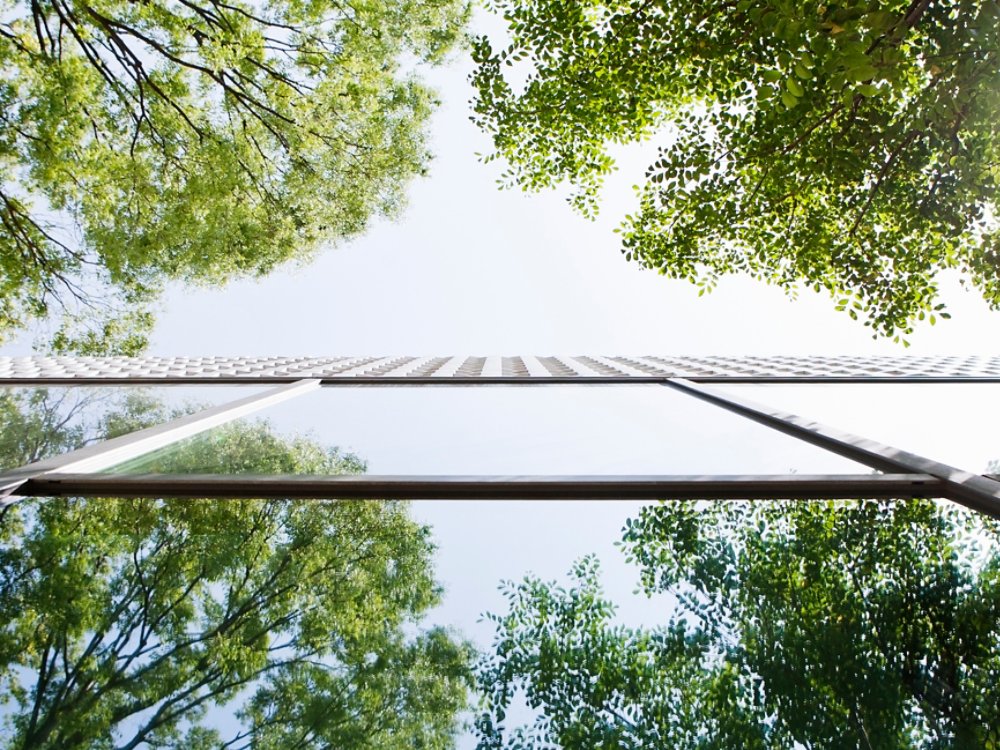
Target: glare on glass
(510, 430)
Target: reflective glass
(37, 423)
(339, 603)
(956, 424)
(572, 430)
(314, 610)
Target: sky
(468, 269)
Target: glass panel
(313, 613)
(790, 589)
(584, 430)
(336, 604)
(36, 423)
(955, 424)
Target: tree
(845, 146)
(196, 140)
(222, 623)
(822, 624)
(38, 423)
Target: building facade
(691, 392)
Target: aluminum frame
(112, 452)
(487, 487)
(908, 475)
(972, 490)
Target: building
(703, 384)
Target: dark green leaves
(848, 147)
(854, 624)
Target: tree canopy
(846, 146)
(217, 623)
(196, 140)
(849, 624)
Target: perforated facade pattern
(519, 368)
(81, 472)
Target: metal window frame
(907, 475)
(114, 451)
(489, 487)
(974, 491)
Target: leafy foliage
(848, 146)
(597, 685)
(139, 623)
(38, 423)
(196, 140)
(822, 624)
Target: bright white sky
(470, 270)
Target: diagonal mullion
(111, 452)
(971, 490)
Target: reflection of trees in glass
(246, 446)
(221, 623)
(822, 624)
(38, 423)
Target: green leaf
(789, 99)
(841, 190)
(864, 72)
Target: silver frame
(972, 490)
(114, 451)
(907, 476)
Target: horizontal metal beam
(791, 486)
(454, 380)
(971, 490)
(109, 453)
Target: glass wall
(956, 424)
(42, 422)
(279, 614)
(511, 430)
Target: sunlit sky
(468, 269)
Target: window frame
(907, 475)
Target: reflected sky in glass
(956, 424)
(558, 429)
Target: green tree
(220, 623)
(38, 423)
(849, 146)
(196, 140)
(849, 624)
